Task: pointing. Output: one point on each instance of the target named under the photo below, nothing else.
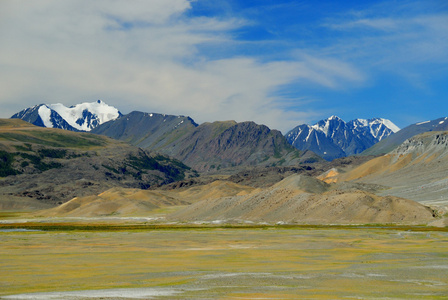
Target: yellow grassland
(231, 263)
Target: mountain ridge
(172, 135)
(80, 117)
(390, 143)
(334, 138)
(208, 147)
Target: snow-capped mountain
(333, 138)
(80, 117)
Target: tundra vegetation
(224, 262)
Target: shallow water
(18, 230)
(136, 293)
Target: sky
(275, 62)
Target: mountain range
(213, 146)
(220, 145)
(333, 138)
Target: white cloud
(144, 55)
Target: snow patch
(422, 123)
(363, 122)
(100, 113)
(45, 115)
(390, 125)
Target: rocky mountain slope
(390, 143)
(417, 169)
(52, 166)
(333, 138)
(209, 147)
(147, 130)
(81, 117)
(220, 145)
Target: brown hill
(114, 202)
(297, 199)
(288, 202)
(136, 202)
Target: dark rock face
(146, 130)
(207, 147)
(240, 144)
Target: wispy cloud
(142, 56)
(158, 56)
(397, 38)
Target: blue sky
(279, 63)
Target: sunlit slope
(301, 200)
(137, 202)
(417, 169)
(114, 202)
(15, 132)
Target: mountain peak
(333, 117)
(333, 138)
(80, 117)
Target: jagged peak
(333, 117)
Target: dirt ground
(224, 263)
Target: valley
(153, 206)
(236, 150)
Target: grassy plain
(226, 263)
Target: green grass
(6, 161)
(39, 164)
